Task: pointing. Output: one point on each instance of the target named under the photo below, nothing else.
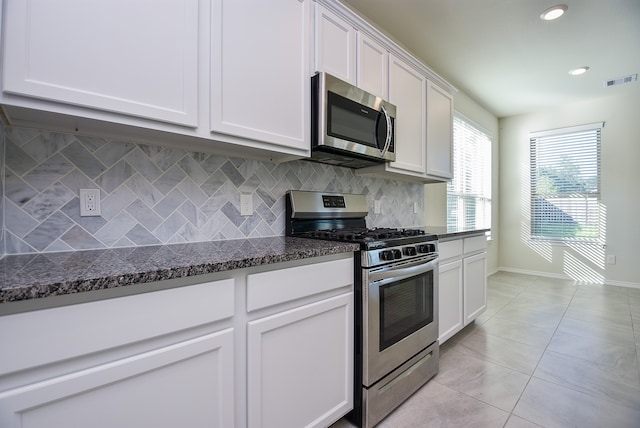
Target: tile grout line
(538, 363)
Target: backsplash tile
(2, 158)
(152, 195)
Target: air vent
(620, 80)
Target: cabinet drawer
(284, 285)
(450, 249)
(475, 243)
(77, 330)
(189, 383)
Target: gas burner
(387, 233)
(363, 234)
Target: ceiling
(500, 53)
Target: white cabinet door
(138, 57)
(450, 316)
(373, 67)
(300, 365)
(260, 79)
(475, 286)
(189, 384)
(335, 45)
(407, 90)
(439, 132)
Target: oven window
(405, 307)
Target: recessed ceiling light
(553, 12)
(578, 71)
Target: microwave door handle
(375, 134)
(387, 142)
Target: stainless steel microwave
(350, 127)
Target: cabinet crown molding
(387, 40)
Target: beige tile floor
(545, 353)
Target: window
(469, 192)
(565, 183)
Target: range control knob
(427, 248)
(390, 255)
(387, 255)
(409, 251)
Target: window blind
(469, 192)
(565, 183)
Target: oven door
(400, 311)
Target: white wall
(435, 195)
(620, 172)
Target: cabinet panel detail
(270, 288)
(260, 78)
(439, 132)
(186, 384)
(450, 300)
(134, 318)
(373, 67)
(106, 55)
(407, 90)
(335, 47)
(450, 249)
(300, 365)
(475, 286)
(475, 243)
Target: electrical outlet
(90, 202)
(611, 259)
(246, 204)
(415, 208)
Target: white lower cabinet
(450, 299)
(462, 283)
(300, 365)
(186, 384)
(259, 347)
(475, 286)
(300, 345)
(134, 361)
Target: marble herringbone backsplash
(2, 140)
(155, 195)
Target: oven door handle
(392, 275)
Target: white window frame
(565, 184)
(469, 191)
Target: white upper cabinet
(424, 116)
(373, 66)
(138, 58)
(217, 76)
(408, 90)
(335, 45)
(260, 78)
(348, 54)
(439, 132)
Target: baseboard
(533, 272)
(622, 284)
(562, 276)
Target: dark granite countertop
(446, 234)
(34, 276)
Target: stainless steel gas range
(396, 298)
